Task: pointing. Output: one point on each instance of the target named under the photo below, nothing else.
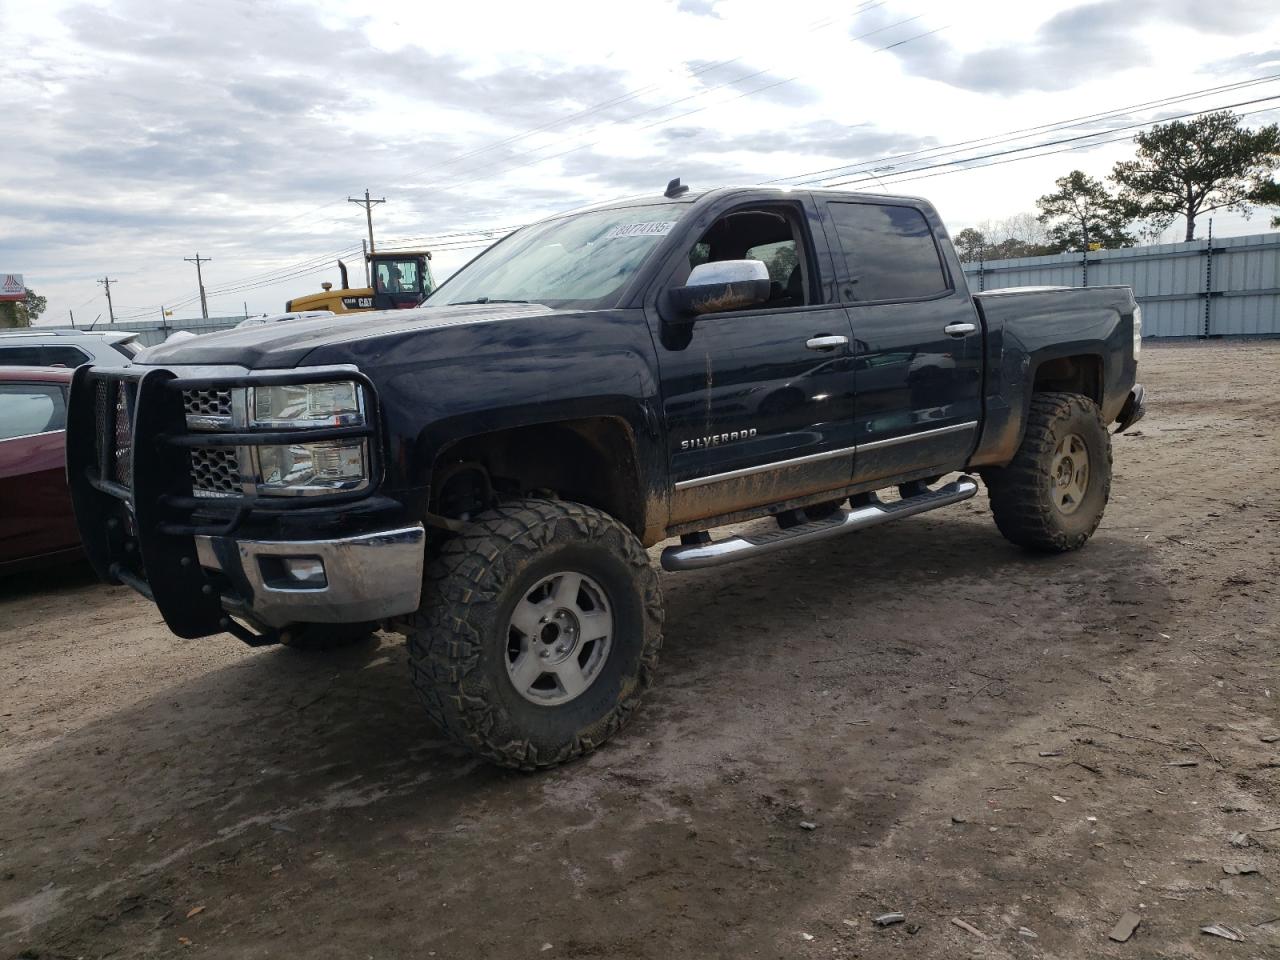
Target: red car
(36, 522)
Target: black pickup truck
(484, 473)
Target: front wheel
(538, 631)
(1052, 494)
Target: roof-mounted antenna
(675, 188)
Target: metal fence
(1227, 286)
(151, 332)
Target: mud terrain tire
(466, 645)
(1050, 498)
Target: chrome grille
(207, 409)
(215, 472)
(208, 403)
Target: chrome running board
(695, 556)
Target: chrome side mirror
(723, 285)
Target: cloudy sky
(138, 132)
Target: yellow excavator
(400, 280)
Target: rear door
(758, 403)
(917, 337)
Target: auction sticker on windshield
(655, 228)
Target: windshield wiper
(463, 303)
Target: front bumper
(213, 564)
(367, 577)
(1134, 409)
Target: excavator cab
(400, 280)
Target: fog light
(306, 571)
(292, 573)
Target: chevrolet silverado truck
(484, 473)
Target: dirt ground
(1032, 746)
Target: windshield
(583, 260)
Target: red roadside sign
(12, 288)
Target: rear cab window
(884, 252)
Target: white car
(33, 347)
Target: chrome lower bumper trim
(696, 556)
(367, 577)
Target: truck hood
(287, 344)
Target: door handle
(826, 342)
(959, 329)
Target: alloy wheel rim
(1069, 474)
(559, 638)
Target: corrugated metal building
(1230, 287)
(151, 332)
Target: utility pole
(72, 315)
(197, 260)
(367, 203)
(107, 282)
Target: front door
(758, 402)
(918, 364)
(35, 507)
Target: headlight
(1137, 332)
(331, 466)
(339, 404)
(300, 468)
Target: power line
(1022, 133)
(1053, 143)
(1047, 153)
(487, 236)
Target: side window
(701, 253)
(780, 258)
(889, 253)
(62, 356)
(771, 236)
(20, 357)
(31, 408)
(130, 348)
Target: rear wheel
(539, 630)
(1052, 495)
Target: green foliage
(22, 314)
(971, 244)
(1022, 235)
(1269, 196)
(1081, 212)
(1187, 168)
